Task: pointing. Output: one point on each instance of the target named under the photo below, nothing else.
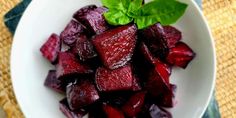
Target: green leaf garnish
(122, 12)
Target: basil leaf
(169, 11)
(145, 21)
(134, 6)
(116, 17)
(117, 4)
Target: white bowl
(42, 17)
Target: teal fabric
(12, 18)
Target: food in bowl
(119, 60)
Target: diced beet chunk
(115, 47)
(83, 11)
(80, 94)
(69, 65)
(93, 19)
(181, 55)
(85, 49)
(117, 98)
(112, 112)
(153, 37)
(157, 83)
(51, 48)
(163, 69)
(134, 104)
(53, 82)
(147, 54)
(172, 35)
(158, 112)
(114, 80)
(73, 31)
(64, 107)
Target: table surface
(221, 16)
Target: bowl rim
(199, 12)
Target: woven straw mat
(221, 15)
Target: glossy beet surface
(53, 82)
(115, 47)
(134, 104)
(84, 48)
(80, 94)
(153, 37)
(181, 55)
(172, 35)
(93, 19)
(69, 65)
(112, 112)
(51, 48)
(113, 80)
(64, 107)
(73, 31)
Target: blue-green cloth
(13, 16)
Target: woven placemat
(221, 15)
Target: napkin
(12, 18)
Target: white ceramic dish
(42, 17)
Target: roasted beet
(153, 37)
(93, 19)
(85, 49)
(181, 55)
(158, 112)
(157, 85)
(134, 104)
(112, 112)
(83, 11)
(53, 82)
(146, 53)
(51, 48)
(116, 98)
(114, 80)
(73, 31)
(172, 35)
(80, 94)
(69, 65)
(163, 69)
(115, 47)
(64, 107)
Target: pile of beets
(114, 71)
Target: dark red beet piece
(83, 11)
(64, 107)
(114, 80)
(172, 35)
(158, 112)
(115, 47)
(69, 65)
(157, 85)
(73, 31)
(167, 99)
(112, 112)
(181, 55)
(153, 37)
(85, 49)
(51, 48)
(136, 84)
(147, 54)
(93, 19)
(134, 104)
(117, 98)
(53, 82)
(163, 69)
(80, 94)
